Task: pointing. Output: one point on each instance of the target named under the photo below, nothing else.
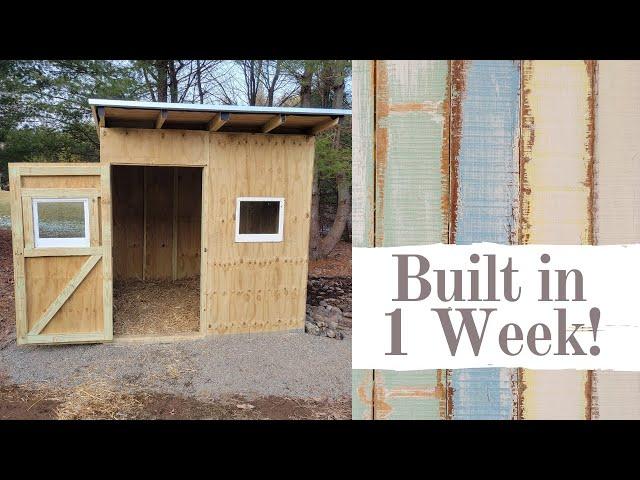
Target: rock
(332, 325)
(311, 328)
(324, 320)
(328, 306)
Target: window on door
(61, 223)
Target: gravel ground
(294, 365)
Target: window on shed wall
(61, 222)
(259, 219)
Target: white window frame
(260, 237)
(80, 242)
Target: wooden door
(61, 226)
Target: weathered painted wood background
(506, 152)
(617, 205)
(484, 184)
(412, 100)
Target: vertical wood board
(188, 211)
(616, 395)
(556, 201)
(159, 223)
(128, 234)
(485, 112)
(17, 243)
(363, 193)
(412, 200)
(412, 152)
(363, 153)
(409, 395)
(362, 394)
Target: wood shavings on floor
(156, 307)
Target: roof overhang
(222, 118)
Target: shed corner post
(102, 134)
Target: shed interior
(156, 249)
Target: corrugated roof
(223, 118)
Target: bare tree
(198, 74)
(180, 80)
(173, 79)
(252, 73)
(305, 85)
(300, 73)
(271, 74)
(161, 79)
(279, 86)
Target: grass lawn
(5, 209)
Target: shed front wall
(245, 287)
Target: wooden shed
(196, 220)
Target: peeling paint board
(555, 394)
(412, 152)
(362, 394)
(485, 113)
(363, 155)
(556, 189)
(363, 175)
(483, 394)
(411, 200)
(410, 395)
(616, 395)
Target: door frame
(204, 215)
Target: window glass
(60, 222)
(61, 219)
(259, 217)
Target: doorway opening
(157, 214)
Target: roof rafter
(218, 121)
(274, 123)
(326, 125)
(162, 116)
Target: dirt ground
(7, 305)
(337, 264)
(43, 392)
(101, 403)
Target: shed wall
(256, 287)
(246, 287)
